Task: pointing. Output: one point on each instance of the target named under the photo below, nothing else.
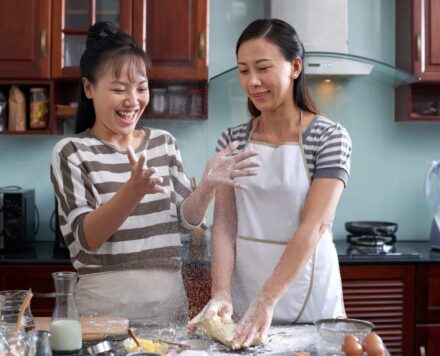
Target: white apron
(268, 216)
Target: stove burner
(371, 241)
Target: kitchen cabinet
(174, 33)
(418, 51)
(71, 21)
(427, 310)
(38, 278)
(383, 295)
(25, 46)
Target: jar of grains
(39, 108)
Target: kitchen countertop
(285, 340)
(415, 252)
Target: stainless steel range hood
(323, 29)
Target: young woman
(123, 196)
(275, 237)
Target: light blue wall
(389, 159)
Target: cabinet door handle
(202, 45)
(419, 47)
(43, 43)
(44, 295)
(422, 351)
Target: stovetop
(375, 248)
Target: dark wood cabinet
(25, 32)
(418, 51)
(383, 295)
(35, 277)
(174, 33)
(50, 37)
(427, 310)
(70, 23)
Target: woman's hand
(220, 305)
(223, 167)
(142, 176)
(255, 321)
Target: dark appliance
(17, 217)
(375, 239)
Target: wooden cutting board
(93, 328)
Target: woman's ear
(87, 88)
(296, 68)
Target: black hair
(105, 45)
(285, 37)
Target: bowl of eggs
(335, 330)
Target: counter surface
(412, 252)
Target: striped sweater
(326, 145)
(86, 172)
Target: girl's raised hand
(224, 167)
(142, 176)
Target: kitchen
(382, 187)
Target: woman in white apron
(273, 257)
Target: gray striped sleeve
(238, 133)
(328, 150)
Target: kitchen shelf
(26, 132)
(380, 71)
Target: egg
(373, 345)
(350, 337)
(375, 349)
(352, 348)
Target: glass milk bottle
(65, 328)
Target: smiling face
(118, 100)
(265, 75)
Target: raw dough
(220, 329)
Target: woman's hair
(105, 46)
(285, 37)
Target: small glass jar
(178, 99)
(159, 100)
(10, 304)
(14, 342)
(196, 95)
(39, 108)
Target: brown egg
(352, 348)
(375, 349)
(351, 337)
(371, 338)
(373, 345)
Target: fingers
(243, 173)
(131, 155)
(249, 339)
(148, 172)
(229, 149)
(247, 164)
(245, 155)
(141, 162)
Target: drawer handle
(419, 47)
(43, 43)
(202, 45)
(422, 351)
(44, 295)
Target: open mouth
(127, 118)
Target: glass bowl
(335, 330)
